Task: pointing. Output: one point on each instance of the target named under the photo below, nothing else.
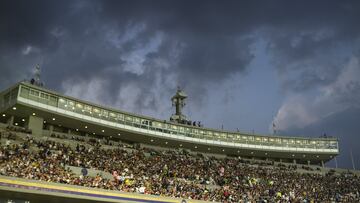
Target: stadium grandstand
(56, 148)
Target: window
(80, 106)
(34, 93)
(144, 122)
(24, 92)
(53, 101)
(88, 108)
(53, 98)
(128, 118)
(71, 103)
(112, 115)
(120, 117)
(136, 120)
(105, 113)
(44, 96)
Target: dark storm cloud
(24, 22)
(201, 42)
(71, 38)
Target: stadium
(55, 147)
(182, 101)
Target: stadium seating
(174, 172)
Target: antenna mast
(37, 75)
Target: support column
(336, 164)
(280, 160)
(10, 121)
(308, 162)
(69, 132)
(294, 161)
(322, 164)
(51, 129)
(35, 124)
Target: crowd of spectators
(172, 173)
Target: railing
(102, 114)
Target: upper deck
(92, 118)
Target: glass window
(44, 96)
(53, 98)
(120, 117)
(80, 106)
(88, 108)
(157, 124)
(24, 91)
(136, 120)
(104, 113)
(71, 103)
(34, 92)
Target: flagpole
(336, 163)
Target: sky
(244, 64)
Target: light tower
(37, 75)
(178, 100)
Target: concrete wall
(35, 124)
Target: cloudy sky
(244, 64)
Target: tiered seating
(173, 173)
